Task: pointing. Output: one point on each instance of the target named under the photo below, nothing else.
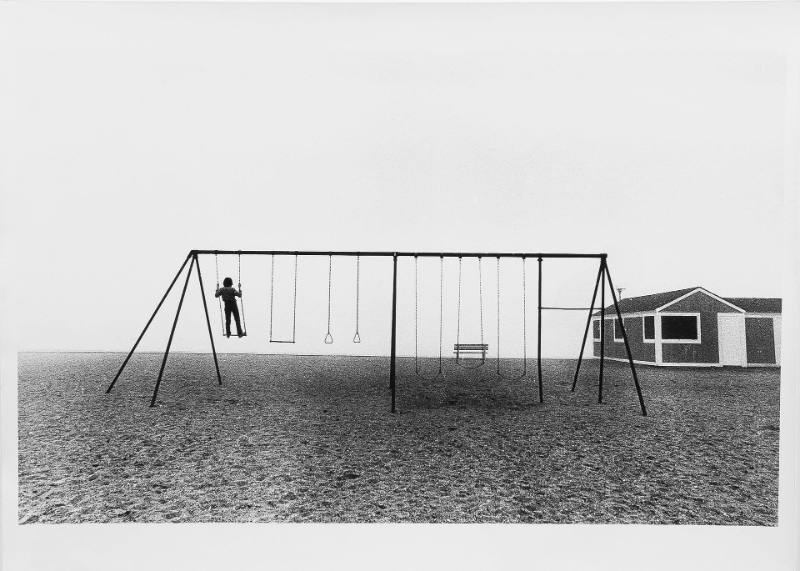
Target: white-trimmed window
(618, 330)
(649, 328)
(596, 330)
(680, 328)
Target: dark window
(649, 328)
(597, 329)
(679, 327)
(617, 330)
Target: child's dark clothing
(229, 295)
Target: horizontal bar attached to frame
(400, 254)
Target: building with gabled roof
(692, 327)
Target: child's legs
(235, 311)
(228, 311)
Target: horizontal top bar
(400, 254)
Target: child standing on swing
(228, 293)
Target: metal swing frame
(603, 278)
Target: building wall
(707, 351)
(760, 334)
(640, 350)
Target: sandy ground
(311, 439)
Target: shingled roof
(654, 301)
(648, 302)
(757, 304)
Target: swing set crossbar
(604, 276)
(401, 254)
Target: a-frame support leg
(172, 334)
(602, 328)
(588, 324)
(539, 335)
(627, 345)
(393, 347)
(208, 319)
(147, 325)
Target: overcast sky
(141, 131)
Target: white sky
(138, 132)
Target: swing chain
(458, 311)
(497, 264)
(524, 326)
(294, 301)
(524, 319)
(458, 314)
(441, 308)
(241, 299)
(357, 337)
(271, 291)
(328, 336)
(416, 312)
(439, 372)
(480, 294)
(271, 303)
(219, 298)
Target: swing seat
(471, 349)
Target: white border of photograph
(296, 546)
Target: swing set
(478, 350)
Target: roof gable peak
(703, 290)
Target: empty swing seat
(471, 349)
